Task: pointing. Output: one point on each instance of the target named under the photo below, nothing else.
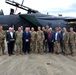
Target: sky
(53, 7)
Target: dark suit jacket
(58, 37)
(8, 36)
(51, 37)
(45, 35)
(26, 36)
(61, 35)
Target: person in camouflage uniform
(65, 41)
(2, 38)
(72, 41)
(33, 40)
(19, 41)
(47, 28)
(40, 38)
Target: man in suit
(57, 39)
(10, 38)
(51, 40)
(45, 46)
(61, 39)
(47, 30)
(27, 39)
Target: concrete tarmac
(36, 64)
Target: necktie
(49, 35)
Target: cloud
(67, 10)
(65, 7)
(61, 10)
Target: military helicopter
(34, 18)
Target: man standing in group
(61, 39)
(57, 39)
(51, 40)
(10, 39)
(47, 28)
(22, 29)
(19, 41)
(2, 38)
(45, 46)
(40, 38)
(65, 41)
(72, 41)
(13, 30)
(27, 39)
(22, 38)
(33, 40)
(29, 29)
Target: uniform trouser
(39, 47)
(45, 46)
(19, 47)
(2, 47)
(51, 47)
(72, 47)
(10, 47)
(33, 46)
(57, 47)
(65, 47)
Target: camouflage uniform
(19, 42)
(40, 38)
(47, 30)
(72, 40)
(66, 42)
(2, 38)
(33, 41)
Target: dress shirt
(22, 31)
(11, 33)
(56, 35)
(63, 33)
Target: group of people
(59, 41)
(43, 40)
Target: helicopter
(34, 18)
